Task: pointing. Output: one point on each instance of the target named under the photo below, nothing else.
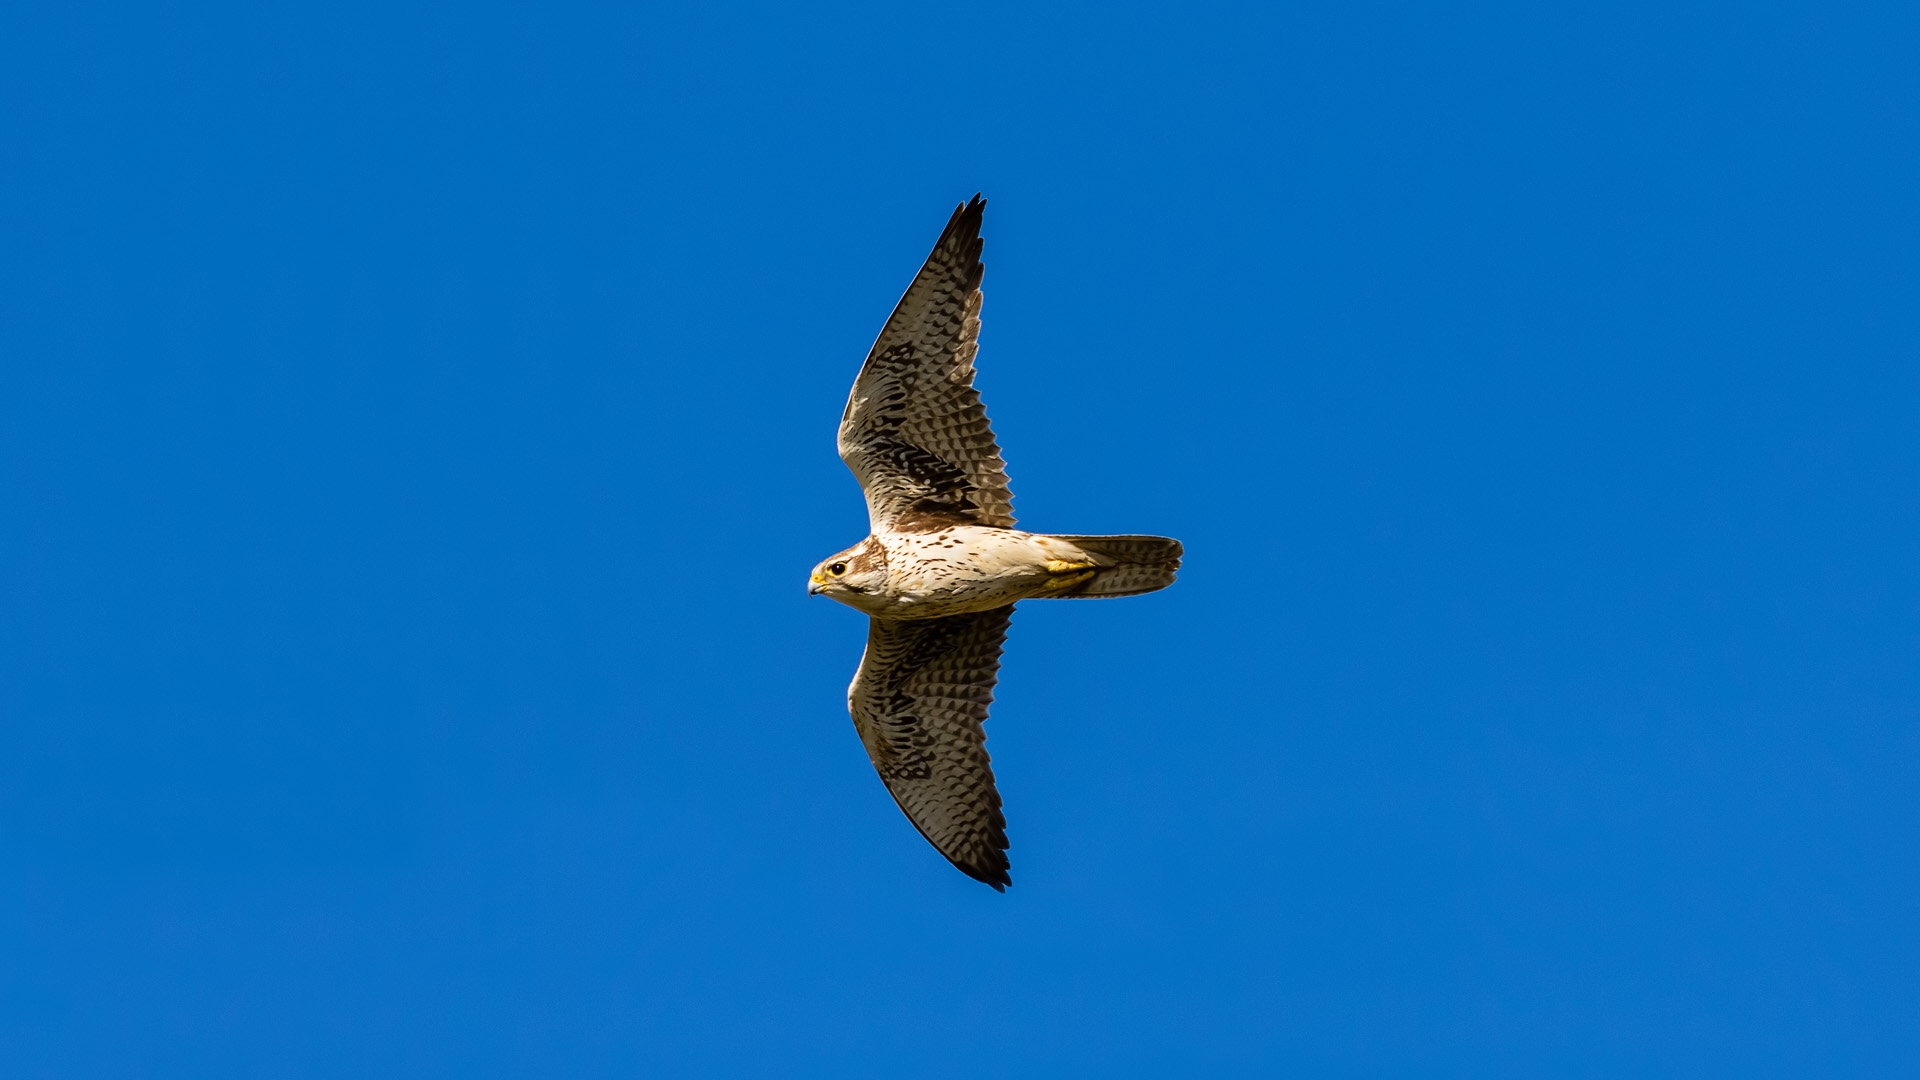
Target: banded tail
(1123, 566)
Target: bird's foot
(1066, 574)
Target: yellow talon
(1066, 581)
(1062, 566)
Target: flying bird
(943, 566)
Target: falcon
(943, 566)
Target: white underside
(961, 569)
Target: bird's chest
(957, 570)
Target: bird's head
(852, 575)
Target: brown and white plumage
(943, 566)
(914, 431)
(919, 702)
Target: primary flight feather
(942, 567)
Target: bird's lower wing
(919, 702)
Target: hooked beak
(816, 587)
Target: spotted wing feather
(914, 431)
(919, 702)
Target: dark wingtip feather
(990, 871)
(995, 876)
(965, 222)
(989, 866)
(962, 236)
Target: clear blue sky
(416, 425)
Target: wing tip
(995, 876)
(959, 244)
(964, 225)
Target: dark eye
(837, 568)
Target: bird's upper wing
(919, 702)
(914, 431)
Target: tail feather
(1125, 565)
